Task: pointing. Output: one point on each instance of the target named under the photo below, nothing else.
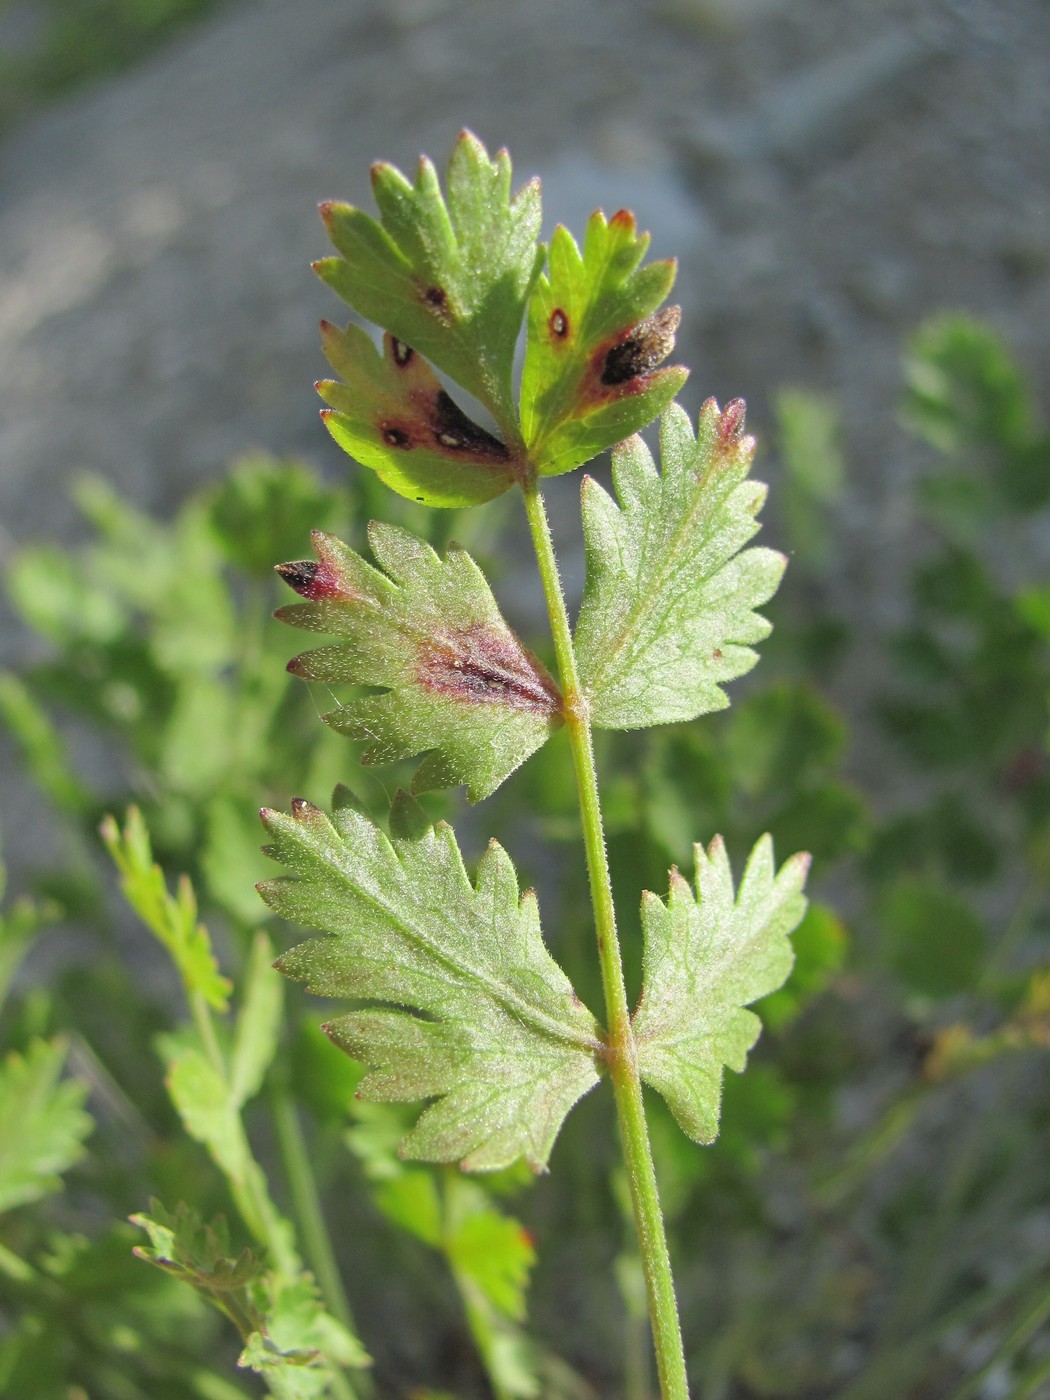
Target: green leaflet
(288, 1336)
(392, 414)
(42, 1122)
(459, 683)
(173, 918)
(594, 344)
(705, 960)
(667, 613)
(450, 279)
(481, 1017)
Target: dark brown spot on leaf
(401, 352)
(559, 323)
(436, 297)
(454, 431)
(396, 437)
(644, 347)
(488, 665)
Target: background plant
(790, 1180)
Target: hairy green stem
(621, 1054)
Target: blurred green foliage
(64, 44)
(868, 1223)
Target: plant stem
(1015, 1339)
(621, 1054)
(306, 1203)
(248, 1187)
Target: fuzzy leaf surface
(458, 682)
(668, 605)
(478, 1015)
(391, 413)
(706, 959)
(42, 1123)
(450, 278)
(595, 341)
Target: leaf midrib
(551, 1028)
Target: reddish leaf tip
(299, 575)
(731, 424)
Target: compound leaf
(450, 279)
(392, 414)
(479, 1017)
(288, 1336)
(458, 681)
(668, 606)
(42, 1123)
(595, 339)
(706, 959)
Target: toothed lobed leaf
(668, 605)
(460, 686)
(288, 1335)
(595, 340)
(706, 958)
(475, 1013)
(42, 1122)
(392, 414)
(448, 277)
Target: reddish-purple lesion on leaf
(629, 362)
(321, 579)
(415, 412)
(483, 664)
(731, 422)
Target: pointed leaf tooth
(408, 820)
(344, 799)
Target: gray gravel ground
(828, 174)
